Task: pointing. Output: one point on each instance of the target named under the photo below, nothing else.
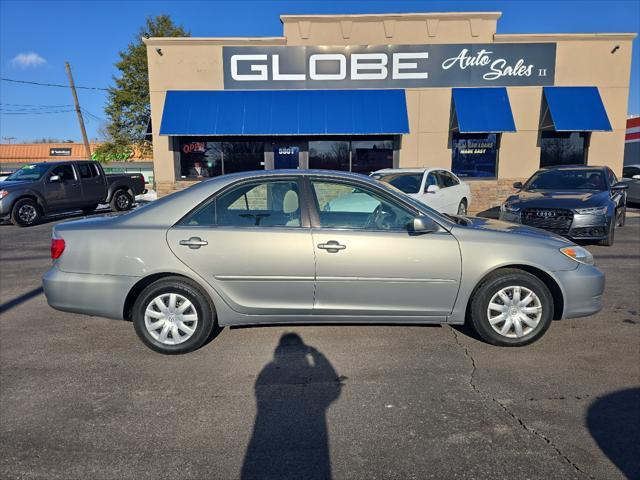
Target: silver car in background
(265, 247)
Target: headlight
(592, 211)
(509, 208)
(579, 254)
(3, 193)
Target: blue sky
(36, 37)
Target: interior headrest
(290, 203)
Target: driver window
(431, 180)
(341, 205)
(65, 172)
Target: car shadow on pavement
(6, 306)
(293, 392)
(614, 423)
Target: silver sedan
(272, 247)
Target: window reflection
(329, 155)
(370, 155)
(563, 148)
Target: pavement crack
(507, 410)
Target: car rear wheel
(121, 201)
(511, 308)
(611, 234)
(462, 208)
(173, 316)
(25, 213)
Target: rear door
(93, 185)
(367, 263)
(252, 243)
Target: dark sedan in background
(631, 176)
(578, 202)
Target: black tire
(622, 216)
(121, 201)
(90, 208)
(25, 213)
(490, 286)
(611, 234)
(462, 208)
(193, 293)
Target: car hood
(11, 184)
(490, 225)
(558, 199)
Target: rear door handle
(332, 246)
(194, 243)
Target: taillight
(57, 247)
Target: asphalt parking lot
(82, 398)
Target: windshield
(567, 179)
(405, 182)
(29, 172)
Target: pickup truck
(38, 189)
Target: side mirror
(636, 177)
(517, 185)
(620, 186)
(54, 178)
(433, 189)
(423, 224)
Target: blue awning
(575, 109)
(483, 110)
(284, 112)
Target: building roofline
(551, 37)
(214, 40)
(387, 16)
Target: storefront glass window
(329, 154)
(370, 155)
(200, 158)
(243, 156)
(475, 155)
(563, 148)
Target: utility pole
(87, 148)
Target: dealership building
(364, 92)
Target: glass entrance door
(286, 155)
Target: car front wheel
(173, 316)
(511, 308)
(25, 213)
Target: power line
(50, 84)
(35, 113)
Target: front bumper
(582, 227)
(89, 294)
(582, 289)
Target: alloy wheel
(27, 213)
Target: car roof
(574, 167)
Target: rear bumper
(88, 294)
(583, 289)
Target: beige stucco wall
(581, 59)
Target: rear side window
(87, 170)
(629, 172)
(256, 204)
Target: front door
(367, 262)
(286, 156)
(252, 243)
(65, 192)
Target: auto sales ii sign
(389, 66)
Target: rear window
(405, 182)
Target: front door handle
(332, 246)
(194, 242)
